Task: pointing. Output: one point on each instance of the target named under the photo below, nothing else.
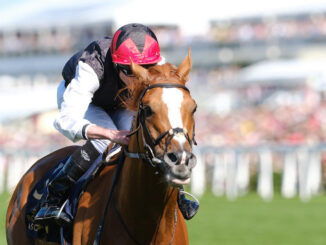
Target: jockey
(90, 110)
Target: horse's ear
(140, 72)
(185, 67)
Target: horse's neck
(145, 200)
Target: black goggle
(126, 69)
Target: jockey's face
(127, 79)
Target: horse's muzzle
(178, 166)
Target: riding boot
(187, 207)
(52, 205)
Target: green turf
(247, 220)
(4, 200)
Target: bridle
(143, 112)
(148, 155)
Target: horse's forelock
(166, 71)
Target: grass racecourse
(248, 220)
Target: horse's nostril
(172, 157)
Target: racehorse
(143, 205)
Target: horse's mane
(166, 73)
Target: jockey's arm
(77, 97)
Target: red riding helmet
(137, 42)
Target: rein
(149, 154)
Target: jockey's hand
(116, 136)
(119, 136)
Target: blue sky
(8, 3)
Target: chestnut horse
(143, 206)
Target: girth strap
(136, 155)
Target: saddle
(53, 232)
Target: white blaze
(173, 98)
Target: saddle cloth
(55, 233)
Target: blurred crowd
(258, 125)
(28, 135)
(257, 115)
(67, 39)
(51, 40)
(296, 28)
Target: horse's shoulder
(98, 188)
(91, 205)
(181, 232)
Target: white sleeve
(76, 99)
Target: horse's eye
(148, 111)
